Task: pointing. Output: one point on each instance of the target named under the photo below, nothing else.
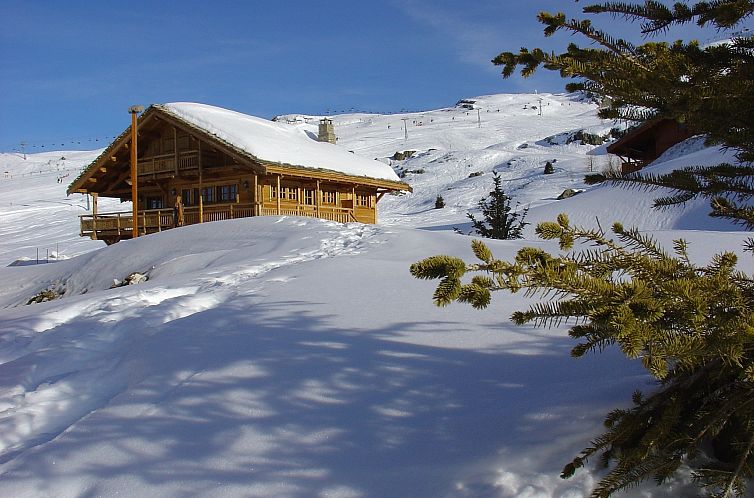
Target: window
(227, 193)
(308, 196)
(290, 193)
(208, 195)
(363, 200)
(328, 197)
(273, 192)
(190, 196)
(154, 202)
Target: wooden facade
(187, 175)
(647, 142)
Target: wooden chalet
(645, 143)
(198, 163)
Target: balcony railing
(332, 213)
(165, 163)
(117, 226)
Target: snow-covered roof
(273, 142)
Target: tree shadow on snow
(276, 399)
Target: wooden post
(201, 194)
(255, 200)
(317, 197)
(175, 149)
(278, 195)
(94, 215)
(134, 110)
(353, 201)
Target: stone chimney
(326, 131)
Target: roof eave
(327, 174)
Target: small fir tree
(439, 202)
(500, 220)
(549, 169)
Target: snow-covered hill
(297, 357)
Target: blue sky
(71, 69)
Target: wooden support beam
(317, 199)
(256, 199)
(103, 169)
(278, 194)
(175, 149)
(134, 173)
(94, 215)
(201, 196)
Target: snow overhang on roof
(276, 143)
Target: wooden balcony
(112, 227)
(332, 213)
(166, 163)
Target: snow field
(297, 357)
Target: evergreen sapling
(500, 220)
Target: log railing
(121, 224)
(342, 215)
(217, 212)
(165, 163)
(116, 226)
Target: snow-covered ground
(297, 357)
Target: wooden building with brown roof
(198, 163)
(645, 143)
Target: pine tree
(708, 88)
(691, 327)
(499, 221)
(439, 202)
(549, 169)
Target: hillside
(297, 357)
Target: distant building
(645, 143)
(199, 163)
